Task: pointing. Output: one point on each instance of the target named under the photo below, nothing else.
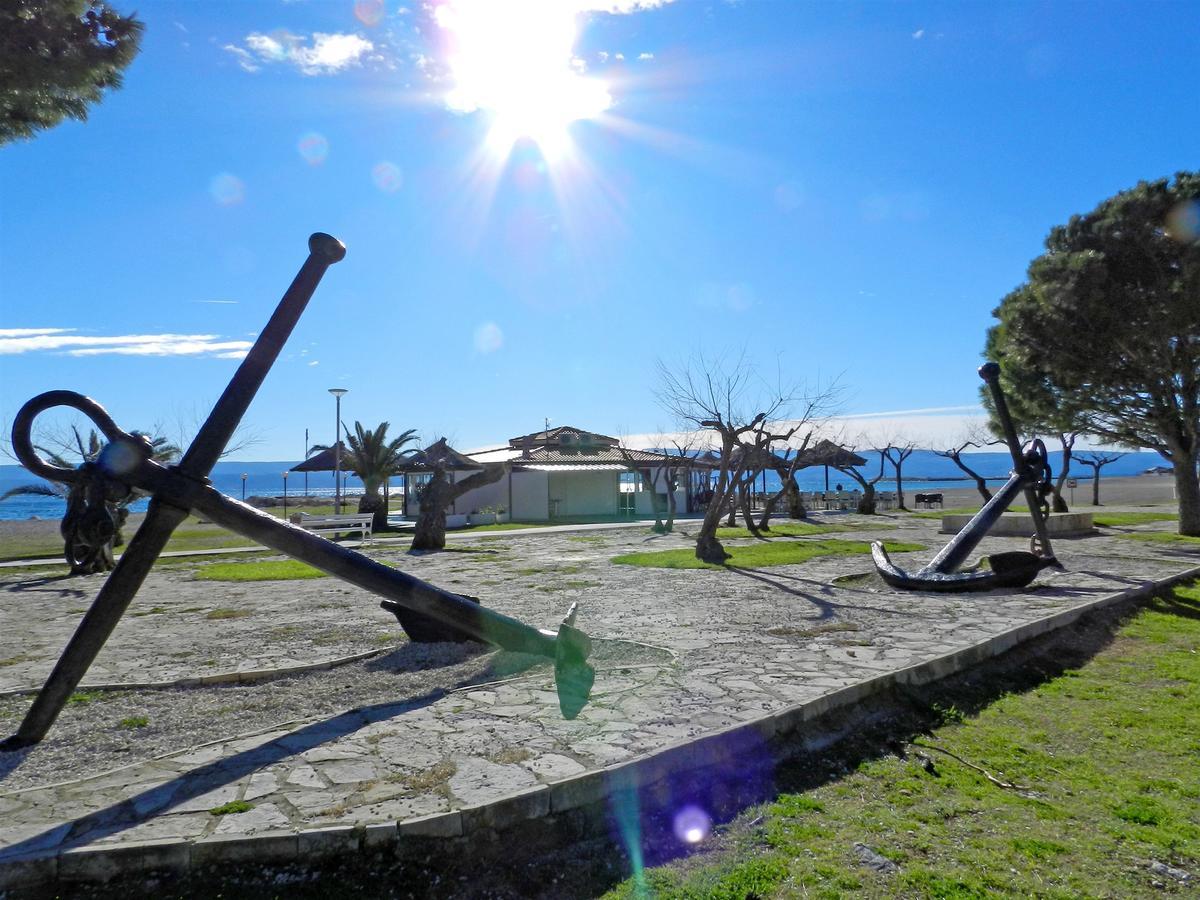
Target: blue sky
(846, 188)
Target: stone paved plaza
(438, 746)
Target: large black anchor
(178, 490)
(1031, 476)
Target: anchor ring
(22, 432)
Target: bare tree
(785, 467)
(867, 503)
(730, 398)
(1096, 461)
(896, 451)
(440, 492)
(719, 394)
(975, 438)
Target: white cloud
(327, 54)
(918, 34)
(619, 7)
(644, 56)
(244, 59)
(222, 302)
(64, 341)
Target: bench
(360, 522)
(927, 501)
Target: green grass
(1163, 537)
(270, 570)
(791, 529)
(133, 722)
(1133, 518)
(753, 556)
(226, 613)
(232, 807)
(503, 526)
(1103, 758)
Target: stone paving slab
(725, 653)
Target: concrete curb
(568, 795)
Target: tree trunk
(373, 502)
(670, 525)
(1059, 505)
(980, 484)
(1187, 490)
(744, 496)
(900, 490)
(764, 521)
(1096, 487)
(795, 502)
(440, 493)
(866, 503)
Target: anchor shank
(955, 553)
(990, 373)
(99, 621)
(225, 417)
(479, 622)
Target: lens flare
(692, 825)
(1183, 221)
(516, 62)
(226, 189)
(387, 177)
(314, 148)
(369, 12)
(488, 338)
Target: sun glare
(514, 61)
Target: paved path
(713, 649)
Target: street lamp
(244, 477)
(337, 451)
(285, 475)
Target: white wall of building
(529, 493)
(584, 493)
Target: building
(564, 473)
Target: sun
(514, 61)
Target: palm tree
(89, 549)
(374, 459)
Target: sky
(542, 200)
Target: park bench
(927, 501)
(360, 522)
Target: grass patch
(816, 630)
(231, 808)
(1103, 762)
(132, 722)
(1110, 519)
(1163, 537)
(224, 612)
(435, 778)
(504, 526)
(83, 698)
(773, 553)
(784, 529)
(270, 570)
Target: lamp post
(285, 475)
(306, 470)
(337, 451)
(244, 477)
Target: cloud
(229, 302)
(645, 56)
(619, 7)
(327, 54)
(918, 34)
(64, 341)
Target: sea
(922, 471)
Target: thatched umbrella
(438, 452)
(826, 453)
(325, 461)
